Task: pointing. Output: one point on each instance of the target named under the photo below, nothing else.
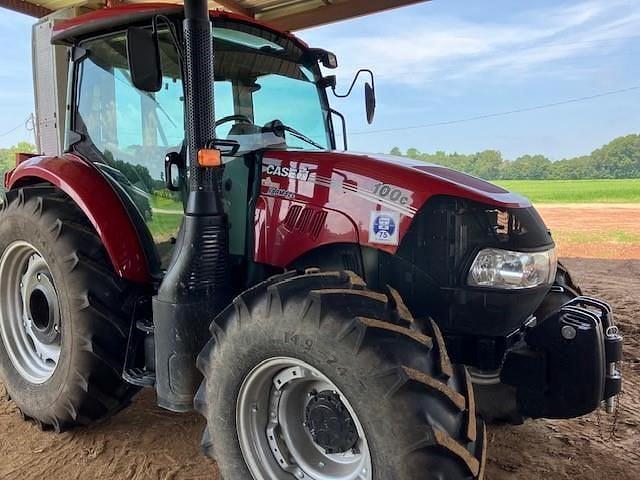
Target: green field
(576, 191)
(163, 224)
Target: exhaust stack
(195, 287)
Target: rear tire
(416, 410)
(91, 304)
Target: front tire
(315, 376)
(64, 315)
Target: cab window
(129, 132)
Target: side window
(134, 130)
(224, 106)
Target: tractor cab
(269, 95)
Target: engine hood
(311, 199)
(422, 179)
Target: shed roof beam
(328, 13)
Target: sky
(569, 69)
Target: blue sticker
(384, 228)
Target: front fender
(93, 194)
(285, 230)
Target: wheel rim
(284, 409)
(29, 312)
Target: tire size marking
(305, 343)
(333, 362)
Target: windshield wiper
(279, 128)
(302, 137)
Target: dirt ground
(595, 230)
(145, 442)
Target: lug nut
(568, 332)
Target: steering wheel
(234, 118)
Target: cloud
(413, 47)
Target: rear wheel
(63, 313)
(316, 377)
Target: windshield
(261, 81)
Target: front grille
(448, 232)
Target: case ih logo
(293, 173)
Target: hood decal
(372, 196)
(382, 194)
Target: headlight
(497, 268)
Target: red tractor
(329, 313)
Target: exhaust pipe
(196, 285)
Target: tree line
(619, 158)
(8, 155)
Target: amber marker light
(209, 158)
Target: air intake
(308, 221)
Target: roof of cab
(111, 18)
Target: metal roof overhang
(282, 14)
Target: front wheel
(313, 376)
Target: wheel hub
(41, 310)
(330, 424)
(309, 435)
(29, 312)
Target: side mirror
(144, 59)
(369, 92)
(370, 102)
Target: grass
(576, 191)
(164, 225)
(603, 236)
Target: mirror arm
(172, 32)
(353, 84)
(344, 127)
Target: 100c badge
(384, 228)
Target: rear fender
(96, 198)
